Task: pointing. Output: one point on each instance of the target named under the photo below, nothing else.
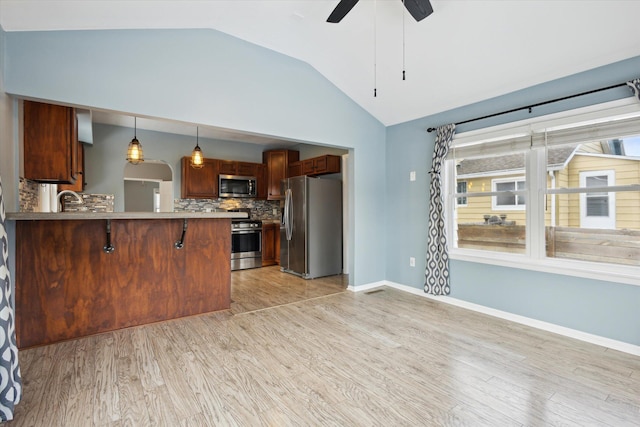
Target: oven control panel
(246, 225)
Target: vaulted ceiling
(466, 51)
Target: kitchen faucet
(59, 196)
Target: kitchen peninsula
(83, 273)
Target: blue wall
(206, 77)
(603, 308)
(210, 78)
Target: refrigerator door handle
(288, 214)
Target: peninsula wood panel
(67, 287)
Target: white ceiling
(466, 51)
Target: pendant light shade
(197, 159)
(134, 152)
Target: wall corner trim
(527, 321)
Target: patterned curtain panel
(635, 85)
(10, 381)
(437, 273)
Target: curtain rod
(529, 107)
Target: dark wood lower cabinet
(270, 231)
(68, 287)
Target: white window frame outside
(494, 199)
(608, 222)
(535, 257)
(466, 188)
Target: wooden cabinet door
(227, 167)
(308, 167)
(277, 162)
(321, 165)
(327, 164)
(247, 169)
(295, 169)
(78, 187)
(268, 244)
(261, 177)
(50, 143)
(199, 183)
(231, 167)
(275, 173)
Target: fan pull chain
(404, 12)
(375, 48)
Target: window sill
(608, 272)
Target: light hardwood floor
(328, 357)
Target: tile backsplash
(260, 209)
(28, 192)
(90, 203)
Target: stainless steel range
(246, 243)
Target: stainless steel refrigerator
(311, 228)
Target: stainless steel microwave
(236, 186)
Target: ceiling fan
(419, 9)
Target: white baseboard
(538, 324)
(368, 286)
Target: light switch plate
(412, 176)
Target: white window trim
(460, 195)
(535, 258)
(494, 199)
(611, 201)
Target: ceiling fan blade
(419, 9)
(341, 10)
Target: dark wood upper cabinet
(247, 169)
(51, 144)
(199, 183)
(315, 166)
(321, 165)
(227, 167)
(278, 162)
(231, 167)
(80, 183)
(295, 169)
(203, 183)
(261, 175)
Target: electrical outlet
(412, 176)
(412, 262)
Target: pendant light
(134, 152)
(197, 159)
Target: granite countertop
(18, 216)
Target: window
(494, 216)
(461, 188)
(597, 209)
(508, 200)
(559, 193)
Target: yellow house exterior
(561, 210)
